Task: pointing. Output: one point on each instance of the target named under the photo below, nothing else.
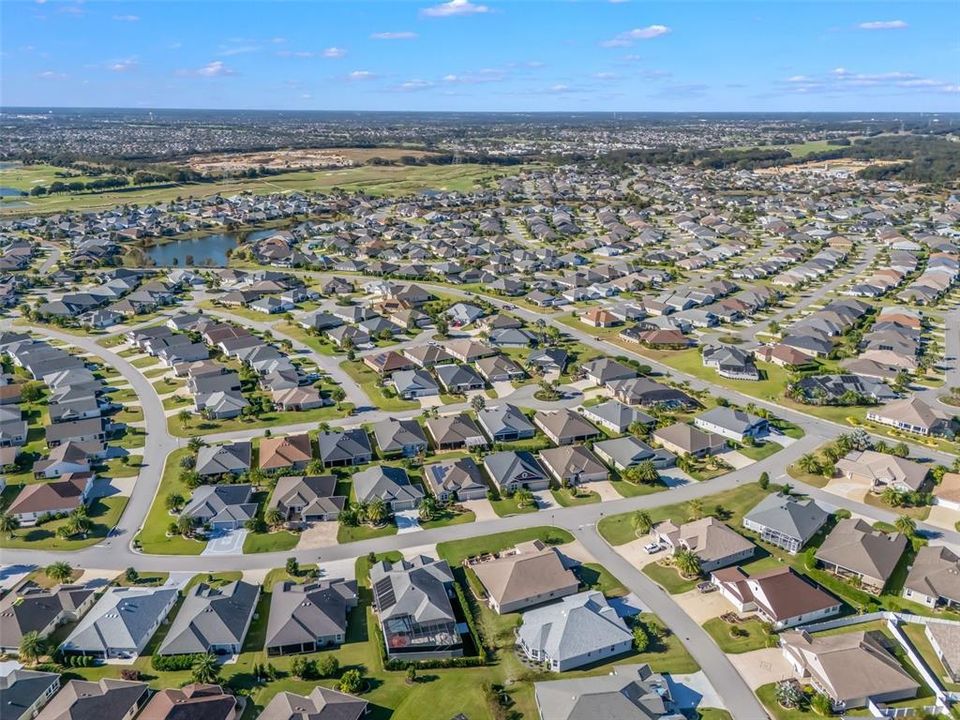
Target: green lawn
(767, 695)
(449, 518)
(629, 489)
(104, 512)
(144, 362)
(270, 542)
(917, 637)
(565, 499)
(153, 537)
(760, 452)
(367, 380)
(505, 507)
(456, 551)
(348, 534)
(597, 577)
(116, 468)
(756, 636)
(668, 577)
(198, 426)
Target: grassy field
(153, 537)
(756, 636)
(104, 512)
(376, 180)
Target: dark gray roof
(304, 613)
(211, 616)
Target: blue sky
(627, 55)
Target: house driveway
(850, 489)
(605, 489)
(634, 553)
(318, 535)
(703, 606)
(675, 477)
(761, 667)
(407, 521)
(504, 389)
(942, 516)
(430, 402)
(229, 542)
(110, 487)
(544, 499)
(481, 508)
(737, 459)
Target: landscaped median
(153, 539)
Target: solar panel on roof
(384, 592)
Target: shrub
(328, 666)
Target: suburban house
(232, 459)
(454, 432)
(65, 459)
(106, 699)
(307, 498)
(212, 619)
(605, 370)
(683, 439)
(50, 498)
(459, 378)
(290, 453)
(412, 601)
(883, 470)
(579, 630)
(785, 521)
(649, 393)
(614, 416)
(307, 617)
(530, 574)
(944, 638)
(716, 544)
(413, 384)
(854, 549)
(195, 700)
(947, 493)
(399, 437)
(914, 415)
(344, 448)
(850, 668)
(121, 623)
(779, 596)
(387, 483)
(505, 423)
(458, 479)
(624, 452)
(30, 608)
(934, 578)
(628, 692)
(499, 368)
(564, 427)
(511, 470)
(573, 465)
(321, 704)
(735, 425)
(730, 362)
(24, 692)
(223, 507)
(80, 431)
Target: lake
(209, 251)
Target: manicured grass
(755, 639)
(129, 414)
(817, 481)
(505, 507)
(104, 512)
(669, 578)
(597, 577)
(168, 385)
(348, 534)
(456, 551)
(629, 489)
(565, 499)
(111, 341)
(157, 372)
(300, 334)
(760, 452)
(199, 426)
(174, 402)
(713, 714)
(618, 529)
(144, 362)
(449, 518)
(270, 542)
(767, 694)
(367, 380)
(917, 637)
(115, 468)
(132, 439)
(153, 537)
(124, 395)
(917, 513)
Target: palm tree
(642, 524)
(695, 508)
(906, 525)
(59, 571)
(32, 647)
(205, 669)
(195, 443)
(174, 502)
(338, 395)
(428, 508)
(524, 497)
(377, 511)
(79, 523)
(687, 562)
(9, 524)
(273, 517)
(809, 463)
(184, 417)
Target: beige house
(854, 549)
(850, 668)
(945, 640)
(715, 543)
(912, 415)
(779, 596)
(573, 465)
(934, 577)
(882, 470)
(683, 439)
(947, 493)
(530, 574)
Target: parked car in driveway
(652, 548)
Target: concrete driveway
(675, 477)
(482, 509)
(605, 489)
(760, 667)
(504, 389)
(544, 499)
(850, 489)
(318, 535)
(737, 459)
(634, 553)
(228, 542)
(703, 606)
(407, 521)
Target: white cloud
(455, 7)
(212, 69)
(486, 75)
(334, 52)
(126, 18)
(559, 89)
(414, 85)
(629, 37)
(605, 76)
(122, 65)
(883, 25)
(52, 75)
(842, 80)
(401, 35)
(360, 75)
(238, 50)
